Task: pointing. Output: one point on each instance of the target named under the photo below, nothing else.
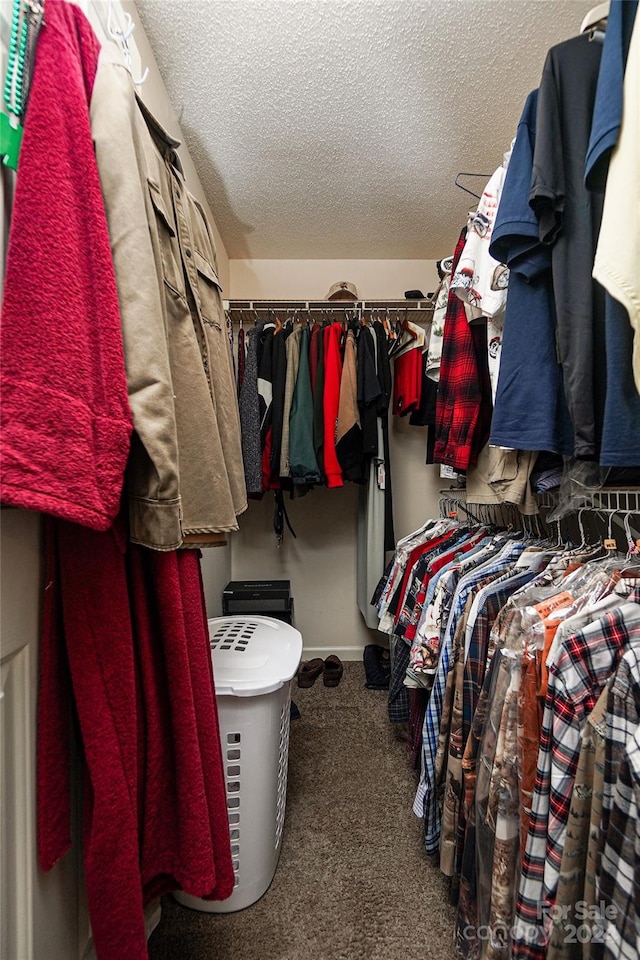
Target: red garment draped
(125, 633)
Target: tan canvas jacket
(185, 474)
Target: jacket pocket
(167, 241)
(210, 291)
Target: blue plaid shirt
(425, 804)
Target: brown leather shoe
(309, 672)
(332, 672)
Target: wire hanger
(485, 176)
(633, 548)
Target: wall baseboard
(345, 653)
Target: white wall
(321, 562)
(311, 279)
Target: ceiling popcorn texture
(335, 128)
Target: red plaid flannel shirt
(459, 389)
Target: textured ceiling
(335, 128)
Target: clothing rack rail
(612, 500)
(616, 504)
(416, 310)
(603, 501)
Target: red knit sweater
(65, 412)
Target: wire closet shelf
(615, 505)
(416, 310)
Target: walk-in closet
(320, 480)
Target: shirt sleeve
(547, 193)
(515, 239)
(607, 110)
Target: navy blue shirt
(607, 111)
(621, 428)
(530, 411)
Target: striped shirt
(425, 803)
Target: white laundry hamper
(254, 661)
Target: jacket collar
(166, 144)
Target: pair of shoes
(331, 670)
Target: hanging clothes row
(314, 403)
(537, 356)
(528, 652)
(120, 421)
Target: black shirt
(569, 217)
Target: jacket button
(188, 252)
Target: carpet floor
(353, 881)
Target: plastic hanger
(632, 566)
(595, 16)
(122, 37)
(24, 34)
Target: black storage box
(267, 598)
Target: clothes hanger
(408, 327)
(23, 38)
(486, 176)
(122, 37)
(595, 18)
(632, 566)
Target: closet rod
(337, 306)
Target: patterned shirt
(563, 944)
(425, 803)
(393, 601)
(503, 814)
(417, 579)
(459, 391)
(490, 601)
(433, 567)
(396, 573)
(576, 680)
(435, 613)
(425, 644)
(623, 716)
(499, 681)
(620, 868)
